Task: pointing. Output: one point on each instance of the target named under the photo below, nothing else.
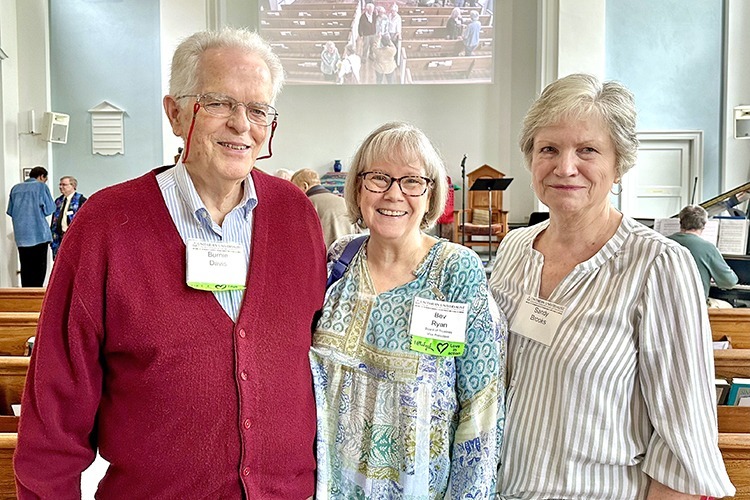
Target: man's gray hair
(187, 57)
(71, 179)
(582, 96)
(693, 217)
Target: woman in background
(329, 61)
(408, 355)
(610, 362)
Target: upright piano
(739, 295)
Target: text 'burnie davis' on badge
(215, 265)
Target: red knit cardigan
(180, 400)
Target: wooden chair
(477, 206)
(8, 443)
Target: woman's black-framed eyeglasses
(410, 185)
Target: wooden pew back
(15, 330)
(13, 370)
(8, 443)
(21, 299)
(734, 324)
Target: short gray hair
(187, 57)
(577, 96)
(693, 217)
(71, 179)
(398, 142)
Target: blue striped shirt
(193, 221)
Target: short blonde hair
(577, 96)
(398, 142)
(305, 176)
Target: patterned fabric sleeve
(676, 376)
(479, 381)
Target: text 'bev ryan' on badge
(437, 327)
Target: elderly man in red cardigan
(177, 322)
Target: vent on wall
(107, 136)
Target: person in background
(385, 62)
(284, 173)
(367, 31)
(707, 257)
(611, 377)
(180, 303)
(394, 24)
(329, 61)
(66, 207)
(350, 66)
(29, 205)
(454, 25)
(402, 413)
(178, 155)
(471, 35)
(331, 209)
(381, 23)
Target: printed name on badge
(537, 319)
(215, 266)
(437, 327)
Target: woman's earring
(618, 192)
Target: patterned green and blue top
(395, 423)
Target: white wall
(23, 37)
(736, 165)
(179, 18)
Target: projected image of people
(440, 41)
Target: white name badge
(215, 266)
(537, 319)
(438, 327)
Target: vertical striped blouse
(625, 391)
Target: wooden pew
(309, 34)
(7, 480)
(734, 324)
(13, 371)
(429, 69)
(294, 23)
(735, 448)
(435, 32)
(443, 48)
(431, 20)
(21, 299)
(15, 330)
(300, 68)
(297, 6)
(303, 48)
(309, 14)
(435, 11)
(734, 421)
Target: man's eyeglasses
(410, 185)
(224, 106)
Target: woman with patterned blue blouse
(408, 356)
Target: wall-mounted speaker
(55, 127)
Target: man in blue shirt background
(29, 204)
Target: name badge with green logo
(437, 327)
(215, 266)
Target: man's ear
(173, 114)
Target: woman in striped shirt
(610, 364)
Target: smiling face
(223, 150)
(573, 166)
(393, 215)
